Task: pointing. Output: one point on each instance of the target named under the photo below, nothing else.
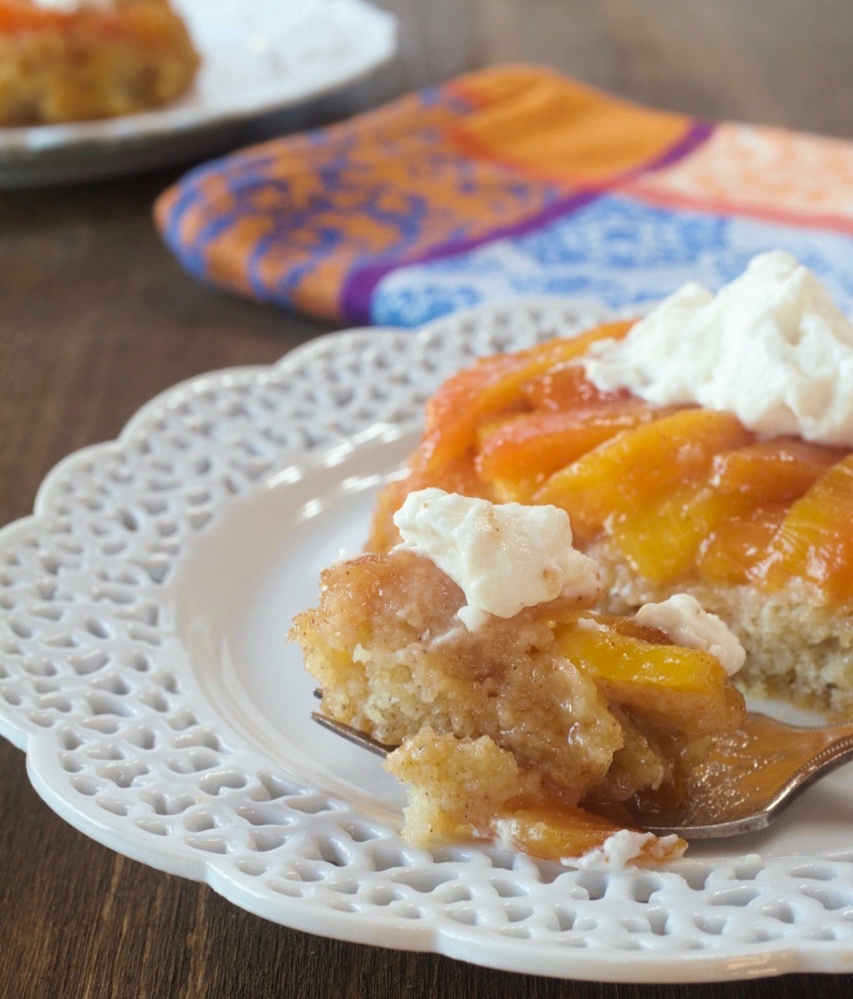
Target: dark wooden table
(96, 317)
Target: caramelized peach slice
(773, 471)
(565, 387)
(741, 480)
(637, 467)
(770, 474)
(815, 540)
(491, 387)
(661, 539)
(555, 831)
(738, 545)
(671, 687)
(522, 451)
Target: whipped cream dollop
(504, 556)
(620, 851)
(683, 619)
(772, 348)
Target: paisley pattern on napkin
(511, 181)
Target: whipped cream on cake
(772, 348)
(504, 556)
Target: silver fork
(745, 781)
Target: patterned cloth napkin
(510, 181)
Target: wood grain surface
(96, 318)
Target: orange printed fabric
(513, 180)
(545, 127)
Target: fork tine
(807, 752)
(352, 734)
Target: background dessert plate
(145, 671)
(258, 59)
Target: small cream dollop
(772, 348)
(687, 623)
(504, 556)
(619, 851)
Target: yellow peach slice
(671, 687)
(773, 471)
(815, 540)
(639, 466)
(662, 540)
(561, 832)
(738, 545)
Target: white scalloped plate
(144, 669)
(258, 58)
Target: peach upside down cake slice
(535, 720)
(667, 498)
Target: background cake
(62, 60)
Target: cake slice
(705, 449)
(62, 60)
(522, 713)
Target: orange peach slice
(671, 687)
(16, 16)
(773, 470)
(524, 450)
(639, 466)
(815, 540)
(561, 832)
(769, 475)
(738, 545)
(662, 539)
(489, 388)
(565, 387)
